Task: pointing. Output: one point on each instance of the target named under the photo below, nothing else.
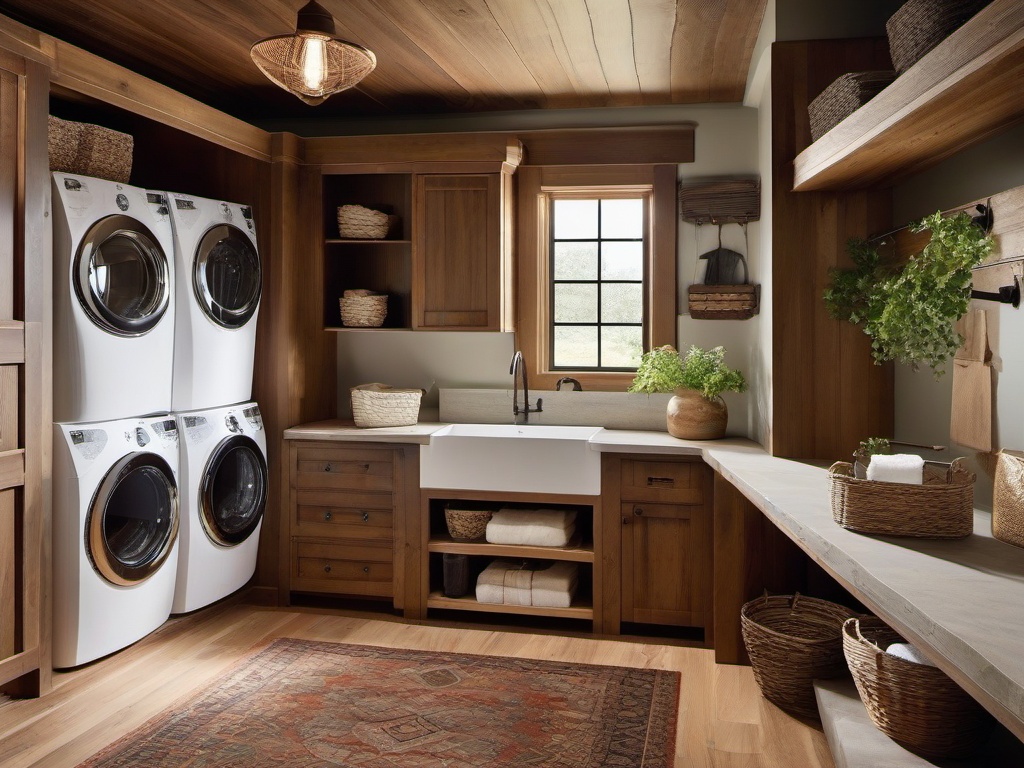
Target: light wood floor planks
(723, 721)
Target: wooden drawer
(670, 482)
(363, 469)
(342, 568)
(344, 522)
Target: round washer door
(133, 519)
(121, 276)
(233, 491)
(226, 276)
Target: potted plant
(909, 311)
(697, 381)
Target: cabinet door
(459, 265)
(666, 564)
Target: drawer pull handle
(327, 569)
(366, 517)
(661, 482)
(625, 520)
(366, 569)
(328, 516)
(638, 511)
(327, 467)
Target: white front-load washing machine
(115, 534)
(224, 493)
(113, 307)
(216, 302)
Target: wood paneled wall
(828, 393)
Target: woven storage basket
(723, 302)
(466, 524)
(937, 509)
(378, 405)
(843, 97)
(89, 150)
(357, 222)
(791, 640)
(920, 25)
(363, 309)
(726, 201)
(1008, 498)
(916, 705)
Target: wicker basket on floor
(916, 705)
(378, 405)
(363, 309)
(359, 223)
(937, 509)
(791, 641)
(89, 150)
(920, 25)
(843, 97)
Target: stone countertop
(960, 601)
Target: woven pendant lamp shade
(312, 63)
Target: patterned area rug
(301, 703)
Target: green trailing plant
(874, 446)
(909, 312)
(663, 370)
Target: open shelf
(964, 91)
(574, 552)
(363, 241)
(582, 610)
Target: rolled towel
(898, 468)
(908, 652)
(555, 585)
(531, 527)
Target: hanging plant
(909, 313)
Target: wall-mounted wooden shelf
(360, 241)
(578, 611)
(967, 89)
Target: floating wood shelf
(361, 241)
(966, 90)
(579, 611)
(574, 552)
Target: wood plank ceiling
(434, 56)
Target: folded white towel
(529, 535)
(553, 518)
(908, 652)
(555, 586)
(504, 582)
(897, 468)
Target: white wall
(923, 402)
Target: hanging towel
(908, 652)
(897, 468)
(970, 422)
(531, 527)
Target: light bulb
(314, 54)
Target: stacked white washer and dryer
(159, 468)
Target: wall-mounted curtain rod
(985, 219)
(1008, 294)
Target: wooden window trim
(535, 183)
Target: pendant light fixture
(312, 63)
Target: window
(596, 289)
(597, 270)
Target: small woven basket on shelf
(920, 25)
(916, 705)
(843, 97)
(89, 150)
(378, 405)
(791, 641)
(465, 524)
(359, 223)
(940, 508)
(363, 309)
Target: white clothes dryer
(114, 313)
(115, 534)
(224, 480)
(216, 302)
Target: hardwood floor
(723, 720)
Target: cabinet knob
(625, 521)
(327, 569)
(328, 515)
(366, 517)
(366, 569)
(327, 467)
(638, 511)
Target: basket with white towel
(550, 584)
(532, 527)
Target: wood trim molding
(610, 146)
(493, 149)
(12, 342)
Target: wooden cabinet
(461, 269)
(661, 535)
(345, 523)
(445, 263)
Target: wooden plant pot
(691, 416)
